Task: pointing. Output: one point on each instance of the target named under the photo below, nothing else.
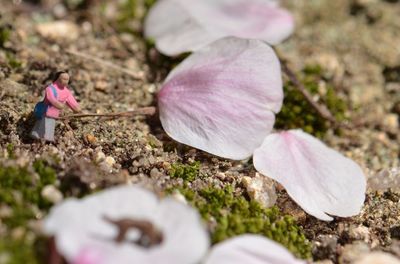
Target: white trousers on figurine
(44, 129)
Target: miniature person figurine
(57, 95)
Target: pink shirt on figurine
(64, 96)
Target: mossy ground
(187, 172)
(298, 113)
(21, 202)
(231, 214)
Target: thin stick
(140, 111)
(322, 110)
(65, 121)
(106, 64)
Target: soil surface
(113, 69)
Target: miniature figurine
(47, 111)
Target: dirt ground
(356, 42)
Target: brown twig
(322, 110)
(150, 235)
(140, 111)
(65, 122)
(105, 63)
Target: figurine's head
(62, 78)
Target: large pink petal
(222, 98)
(250, 249)
(179, 26)
(318, 178)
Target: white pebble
(52, 194)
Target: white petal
(318, 178)
(250, 249)
(177, 221)
(254, 19)
(90, 256)
(179, 26)
(174, 30)
(222, 98)
(82, 234)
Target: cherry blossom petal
(250, 249)
(174, 30)
(83, 236)
(222, 99)
(318, 178)
(255, 19)
(179, 26)
(90, 256)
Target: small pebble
(18, 233)
(5, 211)
(60, 11)
(155, 173)
(91, 139)
(110, 161)
(99, 157)
(260, 189)
(359, 233)
(52, 194)
(58, 30)
(378, 258)
(101, 86)
(325, 246)
(391, 122)
(352, 252)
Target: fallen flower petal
(250, 249)
(318, 178)
(222, 99)
(179, 26)
(90, 256)
(174, 30)
(127, 224)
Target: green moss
(74, 4)
(186, 172)
(12, 61)
(153, 142)
(10, 150)
(297, 112)
(148, 3)
(17, 251)
(234, 215)
(128, 9)
(126, 13)
(46, 173)
(21, 192)
(311, 70)
(5, 34)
